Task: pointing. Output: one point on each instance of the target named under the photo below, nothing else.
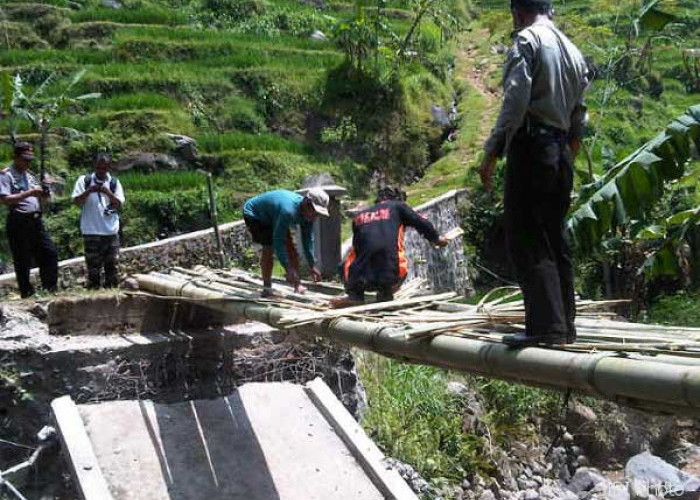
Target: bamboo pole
(642, 382)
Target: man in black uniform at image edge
(539, 129)
(28, 238)
(377, 261)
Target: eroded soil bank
(110, 347)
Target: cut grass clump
(19, 36)
(72, 58)
(187, 34)
(84, 34)
(143, 15)
(221, 53)
(136, 101)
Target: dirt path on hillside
(476, 74)
(466, 55)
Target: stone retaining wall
(445, 268)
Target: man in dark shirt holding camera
(21, 192)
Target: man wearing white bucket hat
(270, 216)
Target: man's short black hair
(387, 193)
(102, 156)
(533, 6)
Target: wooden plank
(78, 448)
(362, 309)
(370, 458)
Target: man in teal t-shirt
(269, 218)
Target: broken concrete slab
(262, 442)
(125, 313)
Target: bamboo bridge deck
(650, 367)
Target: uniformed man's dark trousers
(538, 183)
(30, 242)
(102, 252)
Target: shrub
(64, 227)
(511, 407)
(240, 114)
(682, 309)
(168, 214)
(20, 36)
(234, 10)
(413, 418)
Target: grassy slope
(245, 93)
(622, 119)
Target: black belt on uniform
(25, 215)
(534, 126)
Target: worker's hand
(486, 171)
(35, 192)
(95, 188)
(574, 146)
(316, 274)
(442, 242)
(292, 276)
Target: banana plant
(41, 109)
(629, 190)
(665, 242)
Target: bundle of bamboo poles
(419, 314)
(650, 367)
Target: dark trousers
(538, 183)
(102, 252)
(30, 242)
(384, 293)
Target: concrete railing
(446, 269)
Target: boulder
(56, 185)
(457, 389)
(547, 492)
(440, 117)
(146, 162)
(416, 482)
(111, 4)
(319, 36)
(585, 479)
(656, 472)
(526, 484)
(530, 495)
(616, 491)
(487, 495)
(638, 490)
(580, 417)
(185, 147)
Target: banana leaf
(629, 190)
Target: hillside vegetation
(266, 102)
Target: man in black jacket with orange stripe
(377, 261)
